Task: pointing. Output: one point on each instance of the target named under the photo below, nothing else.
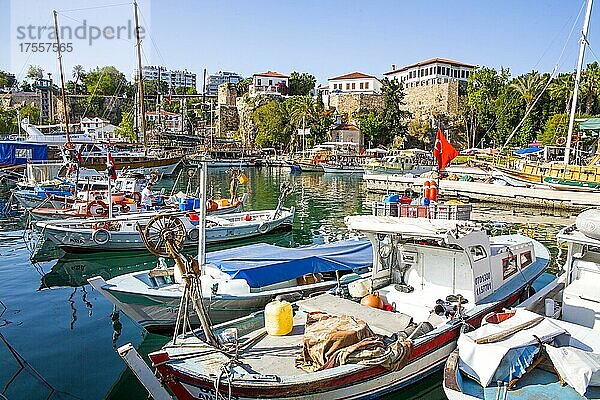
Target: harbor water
(58, 336)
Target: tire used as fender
(193, 234)
(101, 236)
(263, 227)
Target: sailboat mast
(62, 76)
(582, 43)
(138, 46)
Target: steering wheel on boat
(163, 229)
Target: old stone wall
(350, 104)
(432, 98)
(228, 120)
(227, 94)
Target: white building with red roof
(269, 83)
(434, 70)
(355, 82)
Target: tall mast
(62, 76)
(142, 115)
(586, 24)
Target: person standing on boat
(147, 197)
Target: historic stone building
(433, 86)
(351, 104)
(227, 115)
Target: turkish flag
(110, 166)
(443, 151)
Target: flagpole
(109, 176)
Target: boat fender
(193, 234)
(101, 236)
(100, 208)
(263, 227)
(289, 297)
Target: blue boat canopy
(18, 153)
(264, 264)
(528, 150)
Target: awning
(263, 264)
(591, 124)
(528, 150)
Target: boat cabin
(417, 261)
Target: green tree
(301, 83)
(7, 80)
(243, 86)
(393, 115)
(105, 81)
(35, 72)
(372, 127)
(272, 125)
(561, 91)
(78, 74)
(125, 128)
(590, 89)
(483, 88)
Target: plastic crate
(385, 209)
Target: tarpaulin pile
(331, 341)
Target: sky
(325, 38)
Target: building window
(361, 85)
(270, 82)
(259, 82)
(347, 86)
(353, 85)
(366, 85)
(467, 74)
(462, 74)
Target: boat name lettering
(483, 288)
(482, 278)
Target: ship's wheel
(161, 230)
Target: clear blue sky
(325, 38)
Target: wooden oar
(496, 337)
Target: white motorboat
(238, 281)
(433, 276)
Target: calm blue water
(57, 336)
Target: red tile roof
(353, 75)
(323, 87)
(431, 61)
(272, 74)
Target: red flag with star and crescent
(443, 151)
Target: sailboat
(565, 175)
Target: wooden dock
(477, 191)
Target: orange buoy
(248, 217)
(426, 189)
(433, 191)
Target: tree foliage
(394, 114)
(301, 84)
(105, 81)
(7, 80)
(372, 127)
(125, 128)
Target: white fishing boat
(433, 277)
(238, 281)
(411, 161)
(342, 168)
(572, 303)
(123, 232)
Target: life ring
(137, 197)
(561, 140)
(100, 210)
(575, 138)
(69, 146)
(101, 236)
(191, 173)
(154, 177)
(193, 234)
(263, 227)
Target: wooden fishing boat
(413, 161)
(343, 168)
(434, 276)
(238, 281)
(122, 233)
(569, 184)
(525, 356)
(570, 302)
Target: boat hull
(80, 240)
(337, 169)
(361, 382)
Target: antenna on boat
(582, 43)
(62, 78)
(140, 77)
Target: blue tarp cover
(264, 264)
(17, 153)
(529, 150)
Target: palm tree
(528, 86)
(590, 84)
(78, 72)
(562, 89)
